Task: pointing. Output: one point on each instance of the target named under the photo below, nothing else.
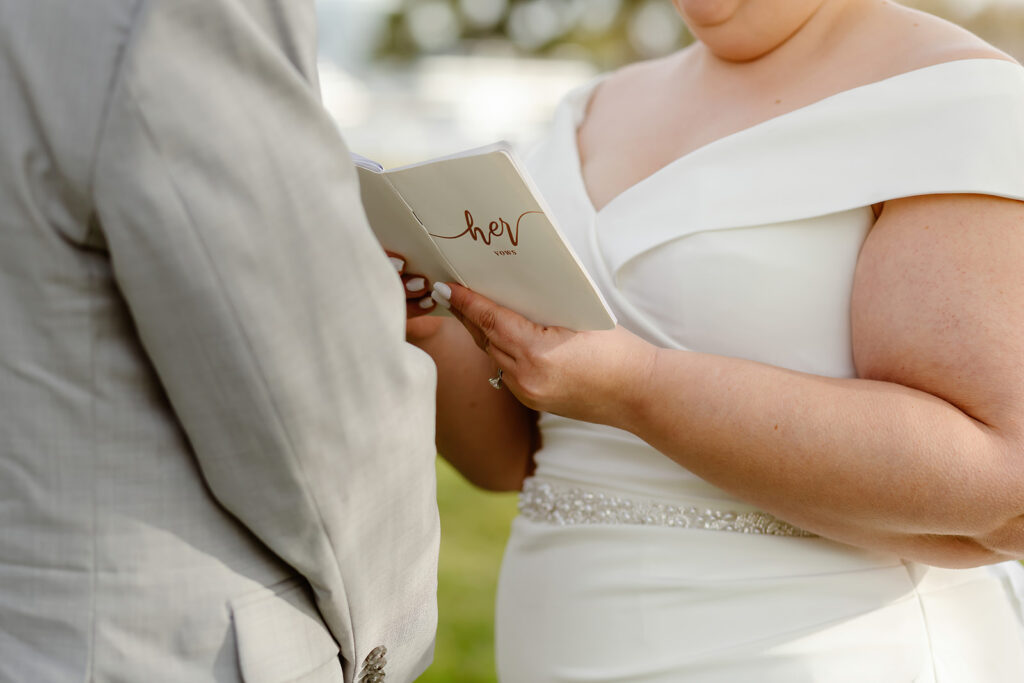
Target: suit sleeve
(231, 213)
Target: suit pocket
(281, 637)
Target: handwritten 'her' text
(499, 228)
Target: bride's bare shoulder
(913, 39)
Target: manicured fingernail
(426, 302)
(440, 300)
(397, 263)
(443, 290)
(441, 294)
(415, 284)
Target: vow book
(475, 218)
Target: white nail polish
(443, 290)
(397, 263)
(440, 300)
(415, 284)
(426, 302)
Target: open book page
(492, 228)
(397, 229)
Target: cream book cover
(475, 218)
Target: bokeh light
(483, 14)
(655, 29)
(433, 25)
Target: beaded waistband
(550, 503)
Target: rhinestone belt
(543, 501)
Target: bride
(794, 458)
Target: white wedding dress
(623, 566)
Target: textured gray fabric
(216, 449)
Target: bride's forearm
(870, 463)
(924, 457)
(485, 434)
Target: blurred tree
(608, 33)
(605, 32)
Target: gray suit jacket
(216, 449)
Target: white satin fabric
(747, 247)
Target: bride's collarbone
(621, 149)
(630, 135)
(650, 115)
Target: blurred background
(408, 80)
(412, 79)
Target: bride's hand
(417, 301)
(593, 376)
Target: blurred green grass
(474, 528)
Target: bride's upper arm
(938, 304)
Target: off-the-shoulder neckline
(581, 99)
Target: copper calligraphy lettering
(496, 228)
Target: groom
(216, 450)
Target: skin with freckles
(937, 308)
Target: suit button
(373, 666)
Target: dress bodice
(747, 246)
